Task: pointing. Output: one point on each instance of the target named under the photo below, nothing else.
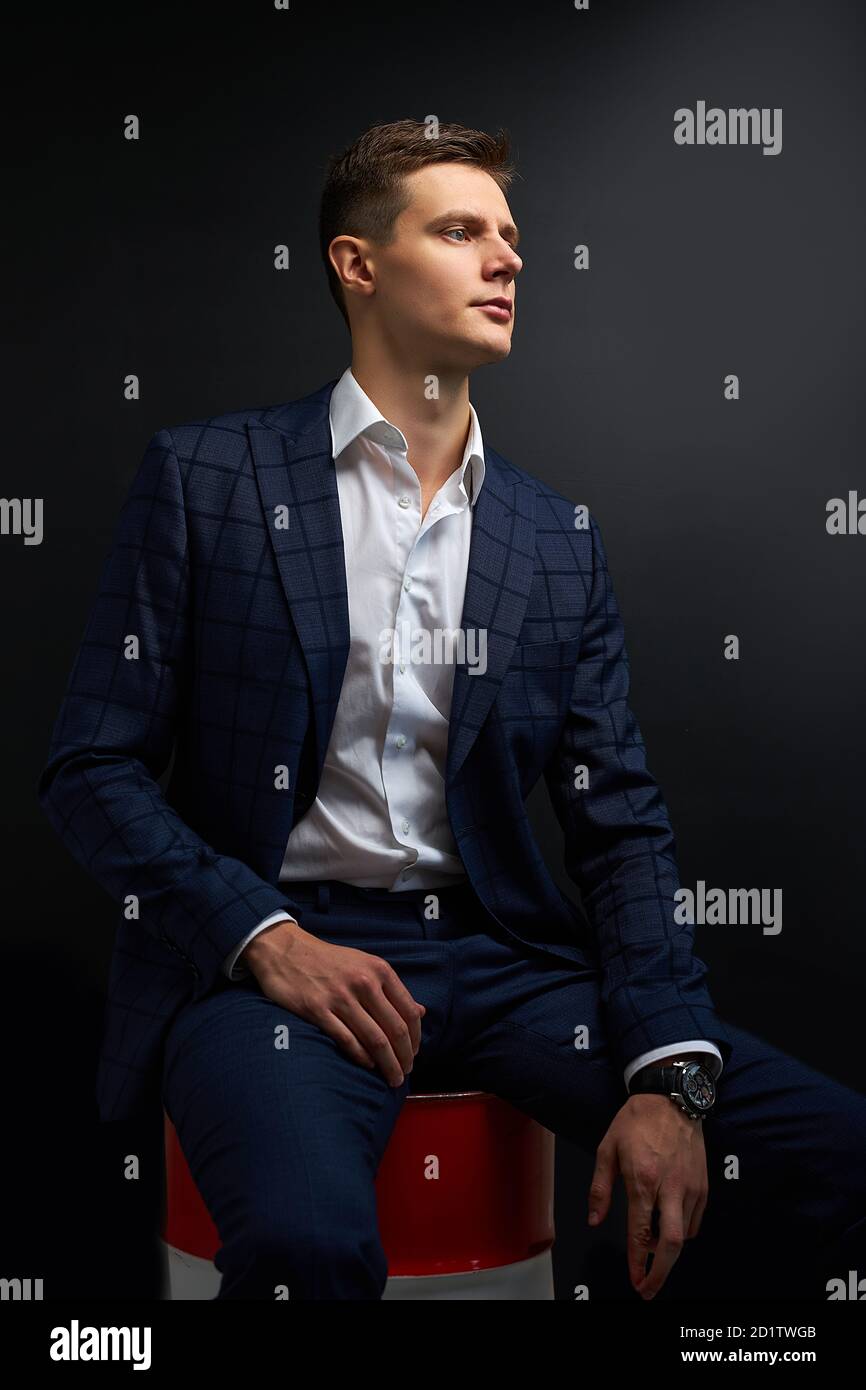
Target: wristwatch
(690, 1085)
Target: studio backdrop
(686, 363)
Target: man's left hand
(660, 1153)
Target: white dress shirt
(379, 819)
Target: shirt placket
(399, 745)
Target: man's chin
(491, 350)
(465, 354)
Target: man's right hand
(354, 996)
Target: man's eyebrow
(508, 229)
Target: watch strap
(656, 1078)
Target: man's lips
(498, 308)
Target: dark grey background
(155, 257)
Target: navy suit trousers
(284, 1144)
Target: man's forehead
(438, 187)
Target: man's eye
(454, 229)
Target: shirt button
(405, 827)
(403, 501)
(402, 666)
(407, 584)
(400, 740)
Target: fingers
(696, 1216)
(374, 1039)
(699, 1195)
(391, 1039)
(399, 1020)
(396, 992)
(336, 1029)
(667, 1246)
(603, 1179)
(641, 1239)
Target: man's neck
(435, 430)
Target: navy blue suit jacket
(222, 631)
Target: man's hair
(364, 191)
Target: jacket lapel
(296, 478)
(297, 484)
(498, 579)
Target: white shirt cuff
(715, 1062)
(237, 972)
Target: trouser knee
(280, 1263)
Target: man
(344, 847)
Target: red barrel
(465, 1189)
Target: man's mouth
(498, 308)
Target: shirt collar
(352, 413)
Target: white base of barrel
(192, 1278)
(525, 1279)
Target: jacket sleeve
(115, 730)
(620, 850)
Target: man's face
(453, 248)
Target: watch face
(698, 1087)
